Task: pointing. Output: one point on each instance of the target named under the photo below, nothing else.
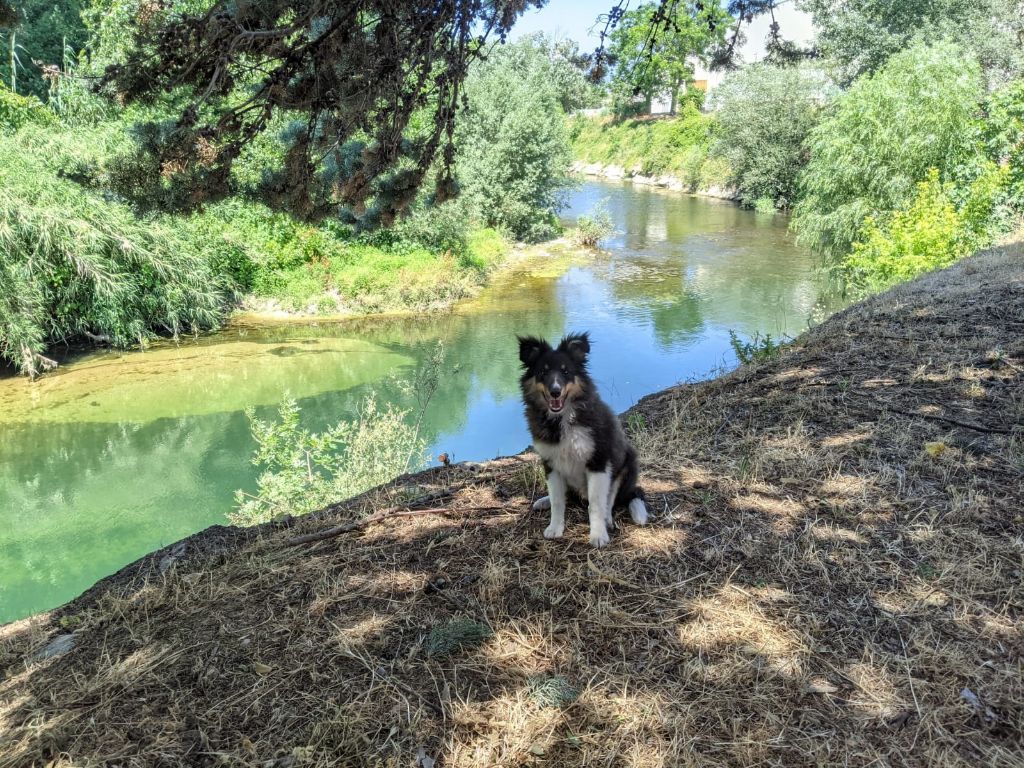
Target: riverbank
(670, 152)
(436, 285)
(664, 181)
(833, 573)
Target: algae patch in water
(195, 379)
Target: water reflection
(119, 454)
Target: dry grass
(833, 578)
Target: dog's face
(553, 378)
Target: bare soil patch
(833, 577)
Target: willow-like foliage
(74, 266)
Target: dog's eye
(564, 369)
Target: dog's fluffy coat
(581, 442)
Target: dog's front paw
(554, 531)
(599, 539)
(542, 504)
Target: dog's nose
(556, 389)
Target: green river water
(120, 453)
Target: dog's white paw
(542, 504)
(599, 539)
(554, 531)
(638, 511)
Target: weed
(553, 691)
(759, 349)
(456, 635)
(592, 227)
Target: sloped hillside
(833, 577)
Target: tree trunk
(676, 85)
(14, 59)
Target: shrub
(73, 264)
(881, 137)
(514, 151)
(305, 471)
(765, 113)
(592, 227)
(757, 349)
(17, 111)
(1002, 132)
(930, 234)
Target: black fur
(567, 365)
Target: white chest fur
(569, 456)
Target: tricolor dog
(579, 439)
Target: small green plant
(17, 110)
(635, 422)
(304, 471)
(592, 227)
(757, 349)
(456, 635)
(551, 692)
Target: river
(120, 453)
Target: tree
(653, 45)
(354, 74)
(859, 36)
(513, 145)
(881, 137)
(764, 115)
(738, 13)
(562, 63)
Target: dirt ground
(833, 577)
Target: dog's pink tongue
(556, 403)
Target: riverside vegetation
(898, 151)
(85, 257)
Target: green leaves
(73, 263)
(765, 113)
(931, 233)
(652, 51)
(881, 136)
(304, 471)
(514, 151)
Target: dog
(579, 439)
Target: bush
(765, 113)
(590, 228)
(757, 349)
(881, 137)
(17, 111)
(930, 234)
(514, 151)
(305, 471)
(1003, 134)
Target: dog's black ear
(530, 349)
(577, 346)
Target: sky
(578, 20)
